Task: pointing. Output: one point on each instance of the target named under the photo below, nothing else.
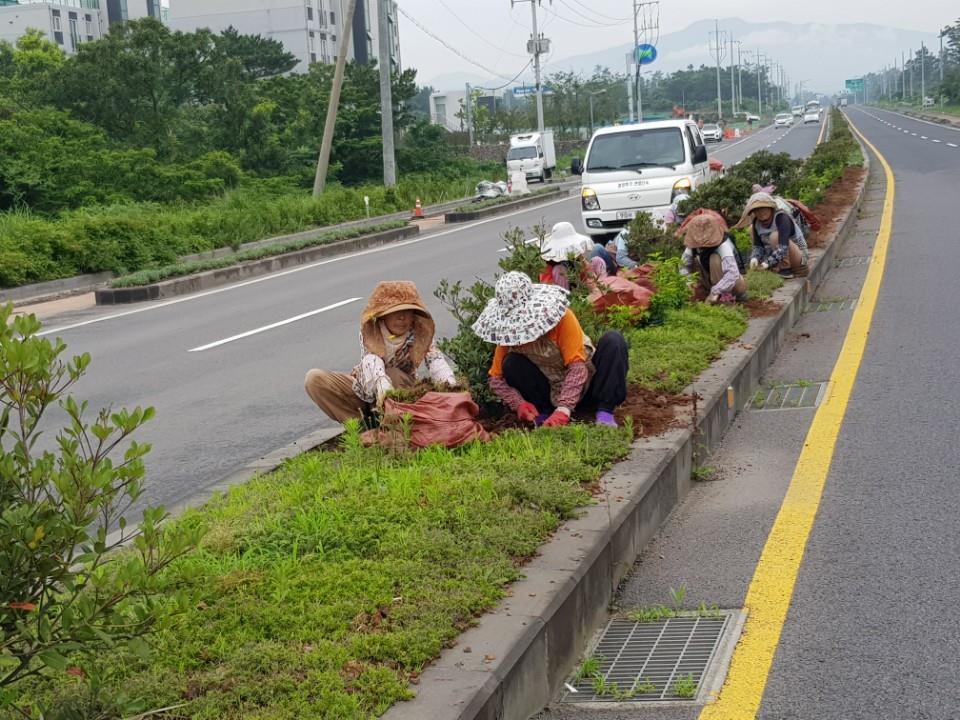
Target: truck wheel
(549, 174)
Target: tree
(66, 591)
(29, 70)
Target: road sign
(854, 85)
(645, 54)
(525, 90)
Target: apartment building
(68, 23)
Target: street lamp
(595, 92)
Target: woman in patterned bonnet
(396, 339)
(544, 366)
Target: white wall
(15, 20)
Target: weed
(677, 596)
(644, 688)
(759, 399)
(803, 383)
(685, 687)
(588, 668)
(704, 473)
(651, 614)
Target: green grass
(145, 277)
(761, 284)
(668, 357)
(321, 590)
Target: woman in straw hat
(778, 243)
(396, 337)
(544, 366)
(564, 244)
(711, 253)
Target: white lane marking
(748, 137)
(271, 326)
(301, 268)
(923, 137)
(951, 145)
(913, 134)
(936, 141)
(940, 126)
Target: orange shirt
(567, 335)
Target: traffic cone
(418, 209)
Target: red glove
(527, 412)
(558, 419)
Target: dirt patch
(762, 308)
(653, 413)
(835, 204)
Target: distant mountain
(822, 55)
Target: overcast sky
(493, 34)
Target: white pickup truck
(639, 168)
(534, 154)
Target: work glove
(764, 266)
(754, 263)
(527, 412)
(713, 299)
(557, 419)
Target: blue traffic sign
(645, 54)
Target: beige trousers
(333, 392)
(794, 261)
(739, 290)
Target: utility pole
(733, 86)
(923, 73)
(323, 162)
(537, 45)
(941, 60)
(759, 85)
(740, 72)
(903, 75)
(913, 59)
(386, 93)
(648, 26)
(718, 47)
(468, 106)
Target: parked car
(929, 102)
(639, 168)
(784, 120)
(712, 133)
(811, 115)
(753, 118)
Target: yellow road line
(823, 129)
(770, 592)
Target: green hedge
(130, 237)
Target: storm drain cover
(832, 305)
(649, 661)
(790, 396)
(853, 261)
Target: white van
(639, 168)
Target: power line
(456, 17)
(595, 23)
(508, 83)
(600, 14)
(448, 46)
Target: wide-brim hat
(564, 242)
(393, 296)
(521, 311)
(703, 230)
(756, 201)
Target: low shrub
(647, 238)
(767, 168)
(727, 195)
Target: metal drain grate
(853, 261)
(643, 662)
(837, 304)
(790, 396)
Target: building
(446, 108)
(68, 23)
(308, 29)
(122, 10)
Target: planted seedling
(685, 687)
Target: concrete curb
(522, 652)
(468, 216)
(243, 271)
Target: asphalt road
(873, 629)
(222, 404)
